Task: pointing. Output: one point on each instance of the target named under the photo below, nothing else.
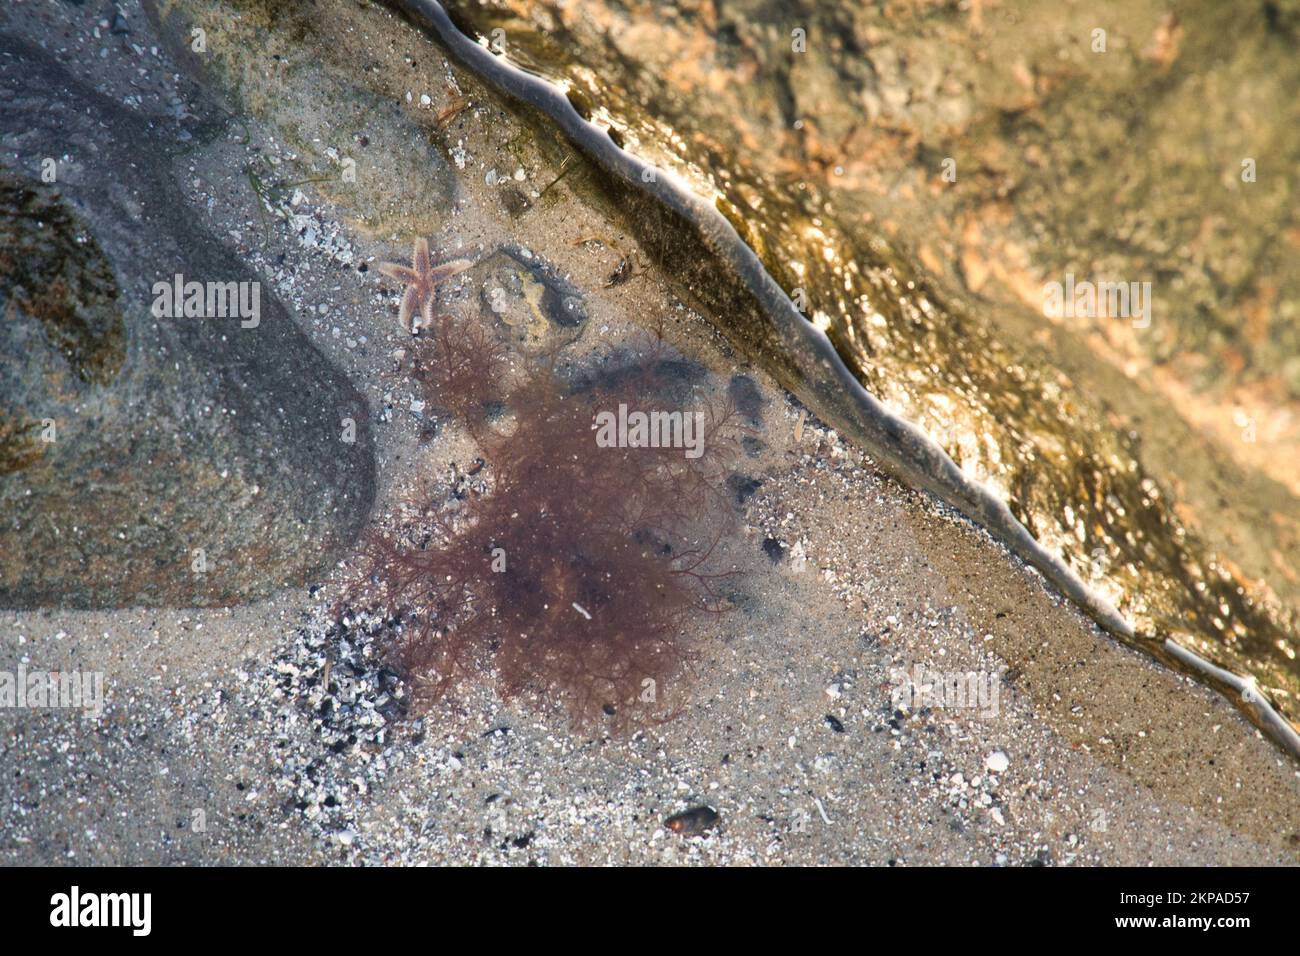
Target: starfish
(421, 281)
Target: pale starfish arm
(448, 269)
(427, 309)
(407, 316)
(403, 274)
(420, 261)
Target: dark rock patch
(191, 461)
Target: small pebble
(693, 822)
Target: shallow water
(1191, 537)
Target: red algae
(574, 569)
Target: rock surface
(148, 460)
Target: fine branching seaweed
(577, 562)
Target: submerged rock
(148, 459)
(536, 307)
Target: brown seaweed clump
(572, 566)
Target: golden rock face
(916, 182)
